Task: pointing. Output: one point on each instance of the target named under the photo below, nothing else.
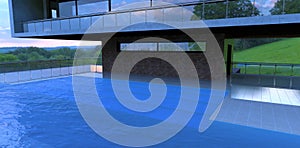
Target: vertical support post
(227, 7)
(47, 11)
(30, 70)
(109, 5)
(291, 78)
(253, 9)
(229, 61)
(76, 7)
(292, 72)
(51, 67)
(57, 8)
(283, 6)
(274, 76)
(203, 10)
(259, 73)
(60, 67)
(245, 71)
(4, 78)
(68, 67)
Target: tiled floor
(261, 107)
(266, 94)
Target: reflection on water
(11, 130)
(42, 114)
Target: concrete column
(47, 11)
(109, 54)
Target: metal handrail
(290, 72)
(265, 64)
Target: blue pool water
(44, 114)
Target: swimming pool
(45, 114)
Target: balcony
(215, 13)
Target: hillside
(284, 51)
(8, 49)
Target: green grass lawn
(286, 51)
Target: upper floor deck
(67, 18)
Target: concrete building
(117, 26)
(152, 24)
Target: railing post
(292, 72)
(227, 7)
(253, 9)
(70, 66)
(203, 10)
(29, 67)
(18, 76)
(130, 17)
(283, 6)
(259, 74)
(230, 76)
(60, 67)
(51, 68)
(274, 76)
(109, 5)
(4, 77)
(291, 77)
(76, 7)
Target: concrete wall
(154, 66)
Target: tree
(59, 57)
(239, 8)
(8, 58)
(34, 56)
(22, 56)
(25, 51)
(290, 6)
(62, 53)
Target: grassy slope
(285, 51)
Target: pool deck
(266, 94)
(267, 108)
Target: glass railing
(7, 67)
(272, 69)
(266, 74)
(205, 10)
(15, 72)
